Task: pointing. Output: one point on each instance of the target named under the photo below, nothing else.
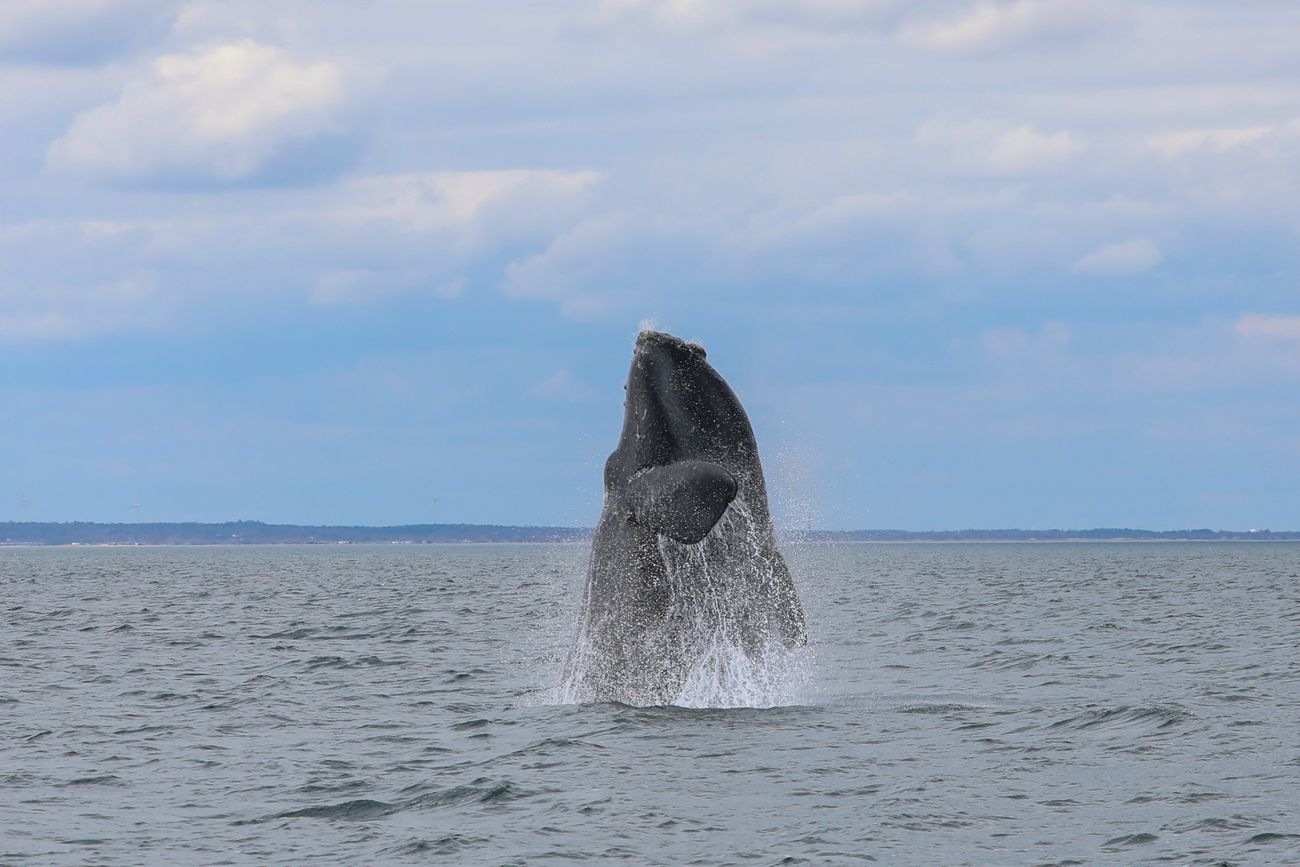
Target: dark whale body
(684, 560)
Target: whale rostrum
(685, 585)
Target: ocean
(959, 704)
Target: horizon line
(261, 532)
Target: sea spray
(720, 638)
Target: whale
(685, 587)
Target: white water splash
(726, 676)
(721, 636)
(726, 601)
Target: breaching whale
(685, 586)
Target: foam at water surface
(725, 677)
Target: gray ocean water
(964, 704)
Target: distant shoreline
(87, 534)
(1102, 534)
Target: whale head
(687, 448)
(679, 408)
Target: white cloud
(848, 207)
(845, 211)
(565, 272)
(711, 15)
(1257, 325)
(1175, 144)
(220, 114)
(1024, 151)
(1271, 346)
(991, 148)
(992, 27)
(440, 201)
(347, 243)
(1130, 257)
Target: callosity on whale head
(685, 576)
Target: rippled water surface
(982, 704)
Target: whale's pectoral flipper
(682, 500)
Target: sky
(1003, 263)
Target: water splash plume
(720, 640)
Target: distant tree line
(1102, 533)
(259, 533)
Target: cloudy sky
(968, 263)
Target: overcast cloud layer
(968, 264)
